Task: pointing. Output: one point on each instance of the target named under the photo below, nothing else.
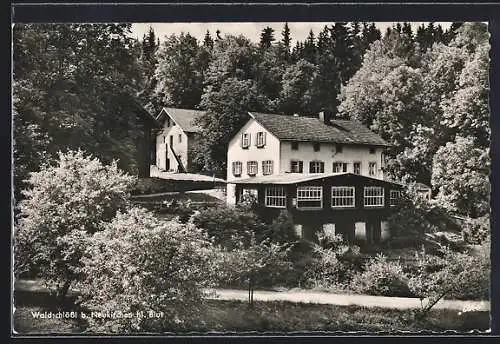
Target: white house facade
(270, 144)
(176, 138)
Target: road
(306, 296)
(347, 299)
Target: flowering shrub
(332, 263)
(455, 274)
(64, 205)
(381, 277)
(140, 265)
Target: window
(372, 168)
(374, 196)
(338, 148)
(295, 145)
(357, 167)
(252, 168)
(339, 167)
(316, 146)
(310, 197)
(372, 150)
(245, 140)
(267, 167)
(237, 168)
(316, 167)
(261, 139)
(394, 196)
(342, 196)
(249, 195)
(180, 138)
(296, 166)
(275, 197)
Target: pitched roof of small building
(308, 129)
(187, 119)
(294, 178)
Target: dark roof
(187, 119)
(296, 128)
(294, 178)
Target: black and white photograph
(181, 178)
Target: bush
(141, 264)
(415, 217)
(64, 205)
(476, 231)
(332, 263)
(282, 230)
(228, 226)
(382, 277)
(457, 275)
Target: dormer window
(339, 148)
(245, 140)
(261, 139)
(316, 146)
(295, 145)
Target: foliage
(64, 205)
(179, 72)
(332, 263)
(75, 87)
(253, 260)
(414, 218)
(460, 275)
(382, 277)
(282, 230)
(227, 109)
(300, 88)
(228, 226)
(141, 264)
(476, 231)
(460, 174)
(419, 94)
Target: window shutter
(264, 134)
(301, 166)
(241, 142)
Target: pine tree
(266, 37)
(208, 42)
(407, 30)
(286, 40)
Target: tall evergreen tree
(208, 42)
(286, 40)
(266, 37)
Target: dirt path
(305, 296)
(347, 299)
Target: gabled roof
(187, 119)
(294, 178)
(307, 129)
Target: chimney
(325, 116)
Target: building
(176, 138)
(327, 173)
(345, 203)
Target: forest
(423, 90)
